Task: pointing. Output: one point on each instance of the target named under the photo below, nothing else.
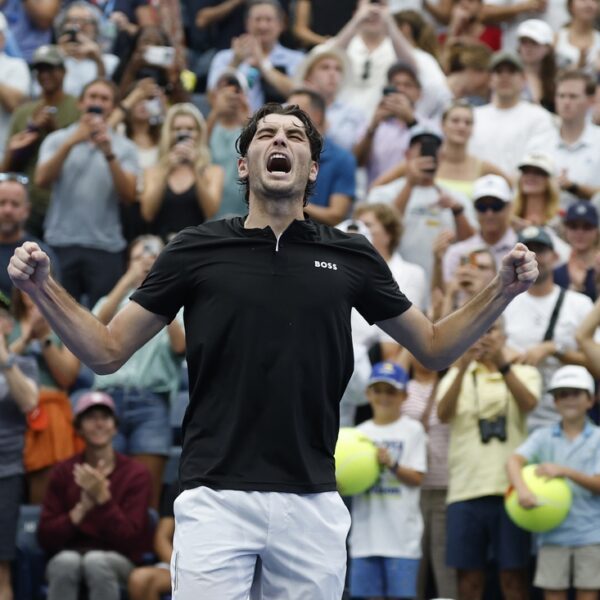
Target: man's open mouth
(278, 162)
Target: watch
(504, 369)
(9, 363)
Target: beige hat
(539, 161)
(315, 55)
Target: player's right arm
(104, 348)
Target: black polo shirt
(269, 346)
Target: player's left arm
(438, 345)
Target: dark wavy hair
(315, 139)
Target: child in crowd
(569, 449)
(385, 540)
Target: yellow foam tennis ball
(356, 465)
(554, 498)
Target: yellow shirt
(477, 469)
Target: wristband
(266, 65)
(504, 369)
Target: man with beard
(14, 210)
(528, 324)
(268, 340)
(32, 122)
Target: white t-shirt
(580, 160)
(435, 93)
(386, 520)
(411, 281)
(526, 319)
(14, 72)
(423, 220)
(504, 136)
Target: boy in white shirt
(385, 540)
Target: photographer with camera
(485, 399)
(78, 36)
(142, 388)
(89, 168)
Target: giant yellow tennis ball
(554, 499)
(356, 465)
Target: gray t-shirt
(12, 422)
(84, 206)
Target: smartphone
(182, 137)
(159, 56)
(96, 110)
(389, 89)
(72, 32)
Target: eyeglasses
(366, 69)
(494, 204)
(18, 177)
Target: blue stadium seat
(178, 408)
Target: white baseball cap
(572, 377)
(537, 30)
(539, 161)
(493, 186)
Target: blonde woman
(184, 188)
(537, 200)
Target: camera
(390, 89)
(489, 429)
(95, 110)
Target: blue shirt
(27, 36)
(549, 444)
(337, 174)
(282, 58)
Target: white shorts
(235, 545)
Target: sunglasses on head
(18, 177)
(482, 205)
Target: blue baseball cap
(389, 372)
(582, 210)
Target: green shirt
(67, 113)
(153, 367)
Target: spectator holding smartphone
(78, 35)
(152, 56)
(34, 121)
(426, 208)
(90, 169)
(184, 188)
(388, 134)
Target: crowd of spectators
(452, 129)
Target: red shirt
(119, 525)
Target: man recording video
(90, 168)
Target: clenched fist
(29, 267)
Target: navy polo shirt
(269, 346)
(337, 174)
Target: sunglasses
(584, 225)
(493, 204)
(366, 70)
(18, 177)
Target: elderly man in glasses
(492, 198)
(14, 212)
